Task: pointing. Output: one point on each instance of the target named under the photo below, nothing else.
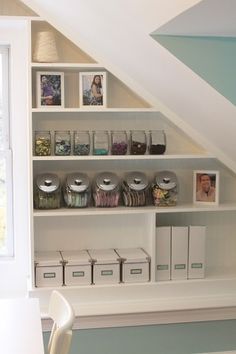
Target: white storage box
(197, 237)
(179, 254)
(163, 250)
(77, 267)
(48, 269)
(135, 265)
(106, 266)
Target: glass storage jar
(42, 143)
(157, 142)
(62, 143)
(119, 142)
(100, 142)
(135, 189)
(165, 189)
(106, 190)
(47, 192)
(138, 142)
(81, 143)
(76, 190)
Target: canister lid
(136, 180)
(107, 181)
(166, 180)
(48, 182)
(77, 182)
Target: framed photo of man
(206, 187)
(50, 89)
(93, 90)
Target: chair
(63, 316)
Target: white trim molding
(149, 318)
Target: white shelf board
(123, 157)
(94, 109)
(67, 66)
(180, 208)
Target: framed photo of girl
(50, 89)
(206, 187)
(93, 89)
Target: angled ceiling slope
(15, 8)
(125, 48)
(203, 38)
(212, 58)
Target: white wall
(13, 273)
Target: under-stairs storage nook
(74, 228)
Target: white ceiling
(117, 34)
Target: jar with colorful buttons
(81, 143)
(42, 143)
(157, 145)
(138, 142)
(100, 142)
(119, 142)
(62, 143)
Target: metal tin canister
(76, 190)
(165, 189)
(106, 190)
(135, 189)
(47, 192)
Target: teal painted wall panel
(185, 338)
(212, 58)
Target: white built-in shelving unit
(66, 229)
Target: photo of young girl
(93, 89)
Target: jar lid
(48, 182)
(107, 181)
(136, 180)
(166, 180)
(77, 182)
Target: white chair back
(63, 316)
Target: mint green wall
(212, 58)
(185, 338)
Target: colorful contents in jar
(100, 142)
(106, 199)
(157, 149)
(44, 200)
(42, 146)
(76, 200)
(138, 148)
(100, 151)
(134, 198)
(81, 149)
(162, 197)
(62, 146)
(119, 148)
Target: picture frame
(50, 89)
(206, 187)
(93, 89)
